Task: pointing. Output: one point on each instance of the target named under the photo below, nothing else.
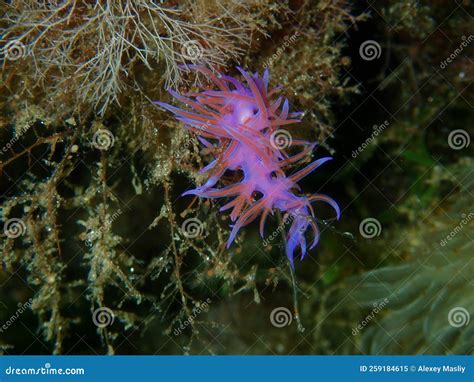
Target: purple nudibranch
(240, 124)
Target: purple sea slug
(239, 123)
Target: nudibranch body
(240, 124)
